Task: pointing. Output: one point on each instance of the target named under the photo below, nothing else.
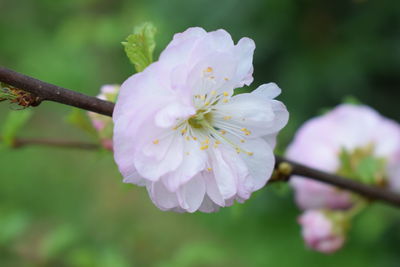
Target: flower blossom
(321, 232)
(352, 128)
(101, 123)
(181, 133)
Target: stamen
(156, 141)
(246, 132)
(209, 169)
(227, 117)
(225, 93)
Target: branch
(50, 92)
(46, 91)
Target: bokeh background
(63, 207)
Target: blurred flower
(104, 124)
(323, 231)
(180, 132)
(353, 141)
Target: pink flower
(101, 123)
(318, 144)
(180, 132)
(320, 232)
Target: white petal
(223, 174)
(194, 161)
(261, 163)
(161, 197)
(158, 159)
(171, 114)
(261, 116)
(191, 194)
(267, 91)
(208, 206)
(244, 51)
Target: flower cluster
(353, 141)
(181, 133)
(102, 124)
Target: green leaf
(81, 121)
(14, 122)
(369, 169)
(351, 100)
(139, 46)
(362, 165)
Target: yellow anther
(225, 93)
(183, 131)
(242, 141)
(207, 103)
(227, 117)
(187, 138)
(223, 132)
(213, 92)
(207, 141)
(156, 141)
(209, 169)
(204, 147)
(194, 138)
(226, 79)
(209, 69)
(218, 142)
(250, 153)
(237, 150)
(246, 132)
(225, 100)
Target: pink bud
(320, 232)
(101, 123)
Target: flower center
(201, 116)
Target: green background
(69, 207)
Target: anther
(156, 141)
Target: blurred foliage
(70, 208)
(13, 124)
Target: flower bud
(323, 231)
(104, 124)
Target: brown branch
(46, 91)
(58, 94)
